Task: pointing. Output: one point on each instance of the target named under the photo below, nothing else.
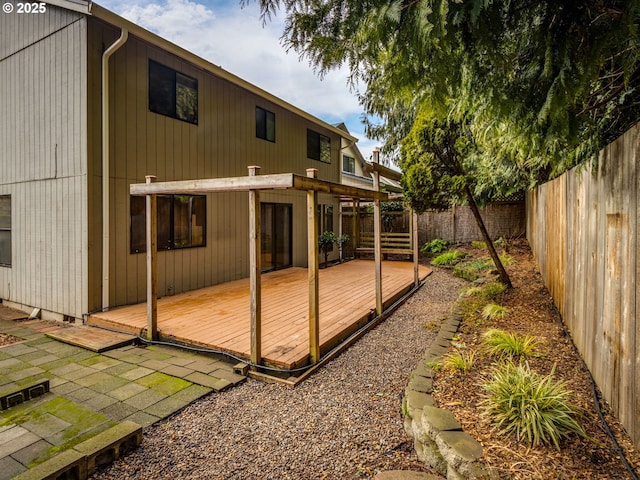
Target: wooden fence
(583, 230)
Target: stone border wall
(438, 437)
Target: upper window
(265, 124)
(348, 164)
(318, 147)
(5, 230)
(172, 93)
(181, 222)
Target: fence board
(582, 228)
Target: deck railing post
(255, 266)
(313, 270)
(377, 244)
(152, 254)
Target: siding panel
(43, 72)
(222, 144)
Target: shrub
(506, 344)
(494, 311)
(325, 244)
(459, 360)
(493, 289)
(472, 269)
(534, 408)
(449, 258)
(436, 245)
(479, 245)
(506, 259)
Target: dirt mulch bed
(6, 339)
(533, 313)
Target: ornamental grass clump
(493, 311)
(534, 408)
(505, 344)
(458, 360)
(448, 258)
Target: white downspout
(124, 34)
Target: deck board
(218, 316)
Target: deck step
(92, 338)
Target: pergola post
(313, 270)
(414, 244)
(152, 254)
(377, 243)
(255, 267)
(355, 225)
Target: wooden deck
(218, 317)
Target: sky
(234, 38)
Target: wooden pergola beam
(282, 181)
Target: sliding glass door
(276, 235)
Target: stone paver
(90, 392)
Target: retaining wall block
(434, 420)
(460, 450)
(428, 453)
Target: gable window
(265, 124)
(172, 94)
(5, 230)
(348, 164)
(181, 222)
(318, 147)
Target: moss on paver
(91, 392)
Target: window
(325, 218)
(181, 222)
(265, 124)
(318, 147)
(348, 164)
(5, 230)
(172, 93)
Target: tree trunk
(502, 273)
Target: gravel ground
(343, 422)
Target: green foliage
(473, 269)
(388, 221)
(437, 245)
(493, 289)
(325, 243)
(535, 408)
(505, 344)
(506, 259)
(541, 84)
(459, 360)
(342, 239)
(493, 311)
(448, 258)
(479, 245)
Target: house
(356, 171)
(92, 104)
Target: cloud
(235, 39)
